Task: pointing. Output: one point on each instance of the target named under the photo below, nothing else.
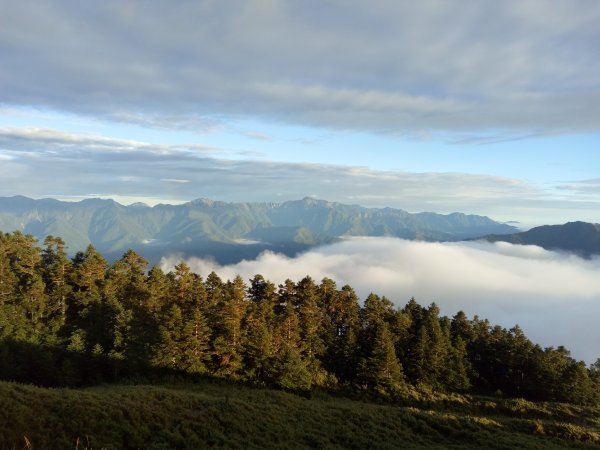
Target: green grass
(213, 414)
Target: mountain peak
(98, 201)
(312, 201)
(139, 205)
(202, 201)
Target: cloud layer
(521, 65)
(554, 297)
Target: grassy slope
(213, 414)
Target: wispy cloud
(174, 180)
(70, 164)
(497, 137)
(554, 297)
(51, 141)
(587, 188)
(257, 135)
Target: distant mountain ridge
(582, 238)
(227, 231)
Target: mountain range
(227, 232)
(581, 238)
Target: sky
(488, 108)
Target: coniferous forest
(80, 321)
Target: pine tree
(8, 277)
(87, 280)
(287, 326)
(259, 346)
(12, 316)
(184, 285)
(129, 277)
(86, 308)
(215, 292)
(227, 344)
(57, 271)
(290, 371)
(311, 329)
(343, 330)
(287, 297)
(576, 386)
(459, 369)
(261, 290)
(380, 369)
(30, 299)
(461, 328)
(159, 289)
(167, 352)
(195, 343)
(138, 327)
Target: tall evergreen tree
(167, 352)
(57, 271)
(343, 330)
(195, 343)
(87, 311)
(160, 288)
(379, 368)
(129, 278)
(228, 340)
(25, 260)
(311, 328)
(126, 298)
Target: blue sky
(491, 108)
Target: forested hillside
(581, 238)
(79, 321)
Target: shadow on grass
(50, 366)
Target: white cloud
(130, 179)
(52, 141)
(174, 180)
(257, 135)
(554, 297)
(583, 188)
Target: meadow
(219, 414)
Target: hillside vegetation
(224, 415)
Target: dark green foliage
(379, 369)
(342, 331)
(81, 321)
(311, 319)
(290, 371)
(209, 414)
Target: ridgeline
(227, 232)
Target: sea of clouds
(554, 297)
